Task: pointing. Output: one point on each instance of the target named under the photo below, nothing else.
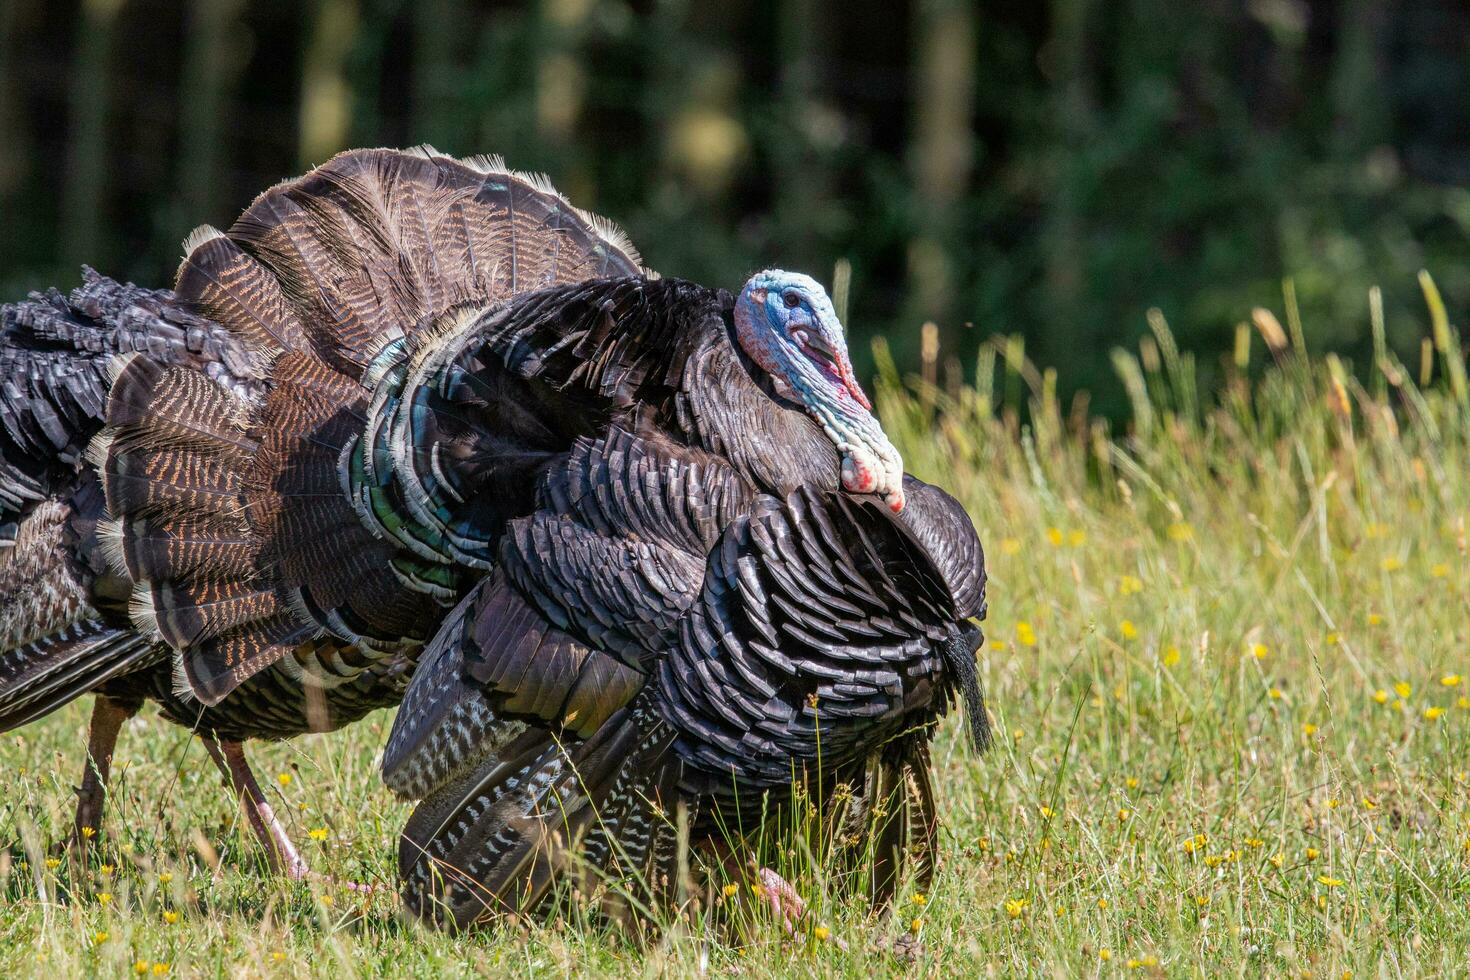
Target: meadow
(1228, 667)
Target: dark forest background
(1053, 168)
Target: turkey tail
(54, 354)
(597, 815)
(242, 512)
(49, 673)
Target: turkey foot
(789, 907)
(108, 715)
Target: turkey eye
(792, 300)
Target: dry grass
(1225, 664)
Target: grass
(1228, 662)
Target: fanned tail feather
(49, 673)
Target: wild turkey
(690, 605)
(97, 633)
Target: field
(1228, 666)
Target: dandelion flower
(1329, 882)
(731, 890)
(1309, 729)
(1104, 954)
(1047, 813)
(916, 924)
(1440, 570)
(1054, 535)
(89, 832)
(164, 877)
(1123, 814)
(1014, 907)
(921, 899)
(1277, 860)
(1254, 842)
(1010, 546)
(1102, 904)
(140, 967)
(822, 933)
(278, 956)
(1170, 656)
(1129, 631)
(1391, 564)
(1369, 803)
(160, 969)
(98, 938)
(1313, 854)
(999, 646)
(1131, 782)
(1274, 694)
(1129, 585)
(1181, 531)
(1433, 711)
(318, 833)
(1463, 701)
(1381, 696)
(1450, 680)
(104, 898)
(284, 779)
(170, 916)
(1259, 650)
(53, 863)
(1025, 635)
(1375, 619)
(1333, 639)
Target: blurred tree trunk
(802, 180)
(86, 158)
(561, 91)
(1062, 233)
(326, 93)
(943, 153)
(439, 27)
(211, 69)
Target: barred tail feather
(596, 814)
(55, 670)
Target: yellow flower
(1104, 954)
(278, 956)
(328, 901)
(53, 863)
(1129, 584)
(916, 923)
(1329, 882)
(1277, 860)
(1381, 696)
(1259, 651)
(1333, 639)
(1129, 631)
(1313, 854)
(1440, 570)
(1391, 564)
(105, 870)
(1375, 530)
(1181, 531)
(1463, 701)
(98, 938)
(999, 646)
(1170, 656)
(1450, 680)
(89, 832)
(104, 898)
(284, 779)
(921, 899)
(1309, 729)
(318, 833)
(1369, 803)
(1433, 711)
(1054, 535)
(164, 877)
(1254, 842)
(731, 891)
(1047, 813)
(170, 916)
(1123, 814)
(1333, 804)
(1403, 689)
(1015, 907)
(1202, 900)
(1018, 734)
(1076, 538)
(822, 933)
(1102, 904)
(1010, 546)
(1375, 619)
(1025, 635)
(140, 967)
(1274, 694)
(159, 969)
(1131, 782)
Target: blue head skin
(787, 325)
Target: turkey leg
(108, 715)
(230, 757)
